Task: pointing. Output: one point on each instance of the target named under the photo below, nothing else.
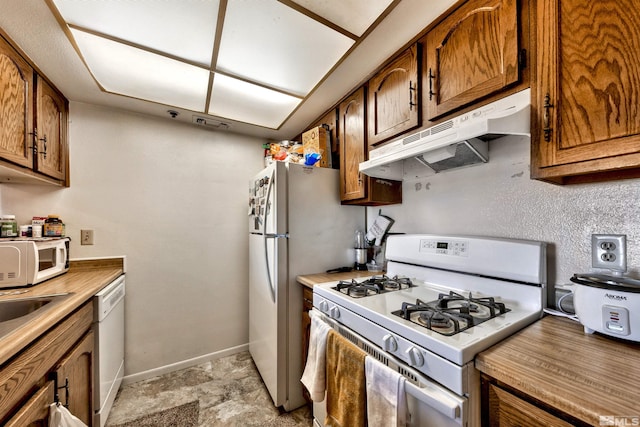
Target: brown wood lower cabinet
(36, 411)
(26, 387)
(503, 408)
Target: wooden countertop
(310, 280)
(583, 375)
(84, 279)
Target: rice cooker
(608, 304)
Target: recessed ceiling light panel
(267, 42)
(355, 16)
(125, 70)
(246, 102)
(182, 28)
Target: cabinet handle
(412, 94)
(34, 147)
(431, 78)
(44, 140)
(547, 129)
(54, 377)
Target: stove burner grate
(451, 313)
(372, 286)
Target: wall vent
(214, 124)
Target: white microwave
(28, 262)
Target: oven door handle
(438, 401)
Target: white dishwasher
(108, 327)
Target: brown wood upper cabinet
(586, 125)
(355, 187)
(394, 97)
(16, 112)
(33, 131)
(473, 53)
(51, 111)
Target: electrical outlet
(609, 251)
(86, 237)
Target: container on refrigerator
(296, 226)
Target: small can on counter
(53, 227)
(25, 231)
(8, 226)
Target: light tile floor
(229, 390)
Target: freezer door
(268, 200)
(268, 312)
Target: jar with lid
(53, 227)
(8, 226)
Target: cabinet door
(355, 187)
(394, 97)
(77, 368)
(471, 54)
(587, 96)
(506, 410)
(16, 112)
(51, 132)
(352, 146)
(36, 411)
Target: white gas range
(442, 300)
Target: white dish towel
(386, 397)
(314, 375)
(59, 416)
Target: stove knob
(334, 313)
(415, 357)
(323, 306)
(390, 343)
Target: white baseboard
(140, 376)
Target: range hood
(461, 141)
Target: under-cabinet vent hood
(461, 141)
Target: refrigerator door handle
(267, 236)
(276, 236)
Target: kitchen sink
(17, 312)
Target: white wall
(173, 199)
(499, 199)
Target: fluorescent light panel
(133, 72)
(182, 28)
(270, 43)
(355, 16)
(262, 41)
(238, 100)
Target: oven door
(429, 403)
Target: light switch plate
(86, 237)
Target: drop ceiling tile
(354, 16)
(267, 42)
(129, 71)
(245, 102)
(183, 28)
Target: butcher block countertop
(310, 280)
(555, 362)
(84, 279)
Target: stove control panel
(453, 247)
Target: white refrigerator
(296, 226)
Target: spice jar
(53, 227)
(8, 226)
